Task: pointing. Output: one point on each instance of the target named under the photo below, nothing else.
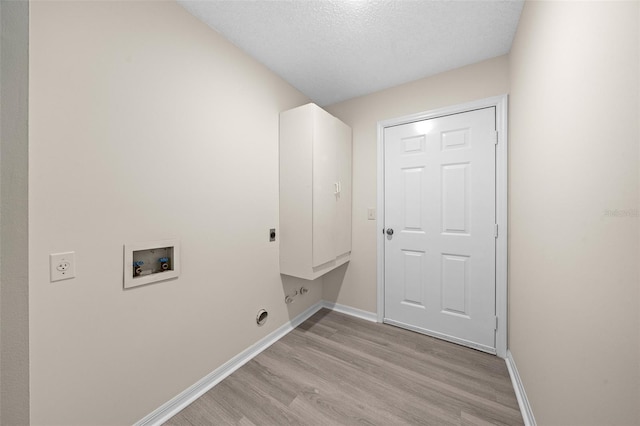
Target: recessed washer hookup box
(146, 263)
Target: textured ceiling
(333, 50)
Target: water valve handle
(164, 263)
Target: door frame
(501, 105)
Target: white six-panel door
(440, 207)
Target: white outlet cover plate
(62, 266)
(371, 214)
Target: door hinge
(496, 325)
(495, 234)
(495, 137)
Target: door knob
(389, 231)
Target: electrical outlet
(62, 266)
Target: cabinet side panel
(343, 224)
(295, 191)
(325, 178)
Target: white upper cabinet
(315, 192)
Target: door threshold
(458, 341)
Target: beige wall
(139, 130)
(355, 283)
(145, 124)
(574, 156)
(14, 294)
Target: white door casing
(443, 272)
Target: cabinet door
(324, 188)
(343, 206)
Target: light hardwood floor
(338, 370)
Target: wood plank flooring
(338, 370)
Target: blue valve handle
(163, 260)
(138, 263)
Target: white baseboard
(354, 312)
(172, 407)
(521, 395)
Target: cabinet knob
(389, 231)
